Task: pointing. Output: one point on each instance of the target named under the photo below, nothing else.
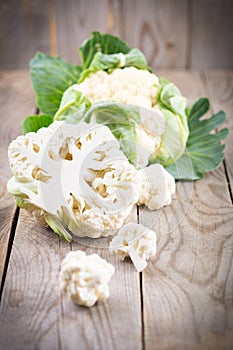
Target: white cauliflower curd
(84, 278)
(136, 241)
(128, 85)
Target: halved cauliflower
(84, 278)
(62, 170)
(76, 176)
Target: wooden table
(183, 300)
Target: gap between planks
(141, 294)
(14, 224)
(9, 248)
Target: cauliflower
(140, 108)
(131, 86)
(156, 186)
(73, 175)
(85, 278)
(136, 241)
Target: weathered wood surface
(220, 85)
(151, 26)
(186, 289)
(16, 100)
(211, 29)
(173, 34)
(75, 22)
(33, 312)
(24, 29)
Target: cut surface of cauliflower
(136, 241)
(156, 186)
(74, 173)
(84, 278)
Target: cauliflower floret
(136, 241)
(85, 278)
(118, 175)
(59, 177)
(157, 186)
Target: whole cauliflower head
(75, 175)
(136, 241)
(131, 86)
(84, 278)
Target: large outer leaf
(73, 103)
(106, 43)
(32, 123)
(204, 152)
(51, 76)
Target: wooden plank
(30, 300)
(15, 105)
(75, 20)
(158, 28)
(211, 41)
(187, 288)
(24, 29)
(115, 324)
(35, 315)
(220, 85)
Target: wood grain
(24, 29)
(220, 85)
(16, 100)
(187, 288)
(158, 28)
(211, 41)
(34, 314)
(172, 34)
(115, 324)
(75, 20)
(30, 299)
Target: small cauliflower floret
(136, 241)
(84, 278)
(157, 186)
